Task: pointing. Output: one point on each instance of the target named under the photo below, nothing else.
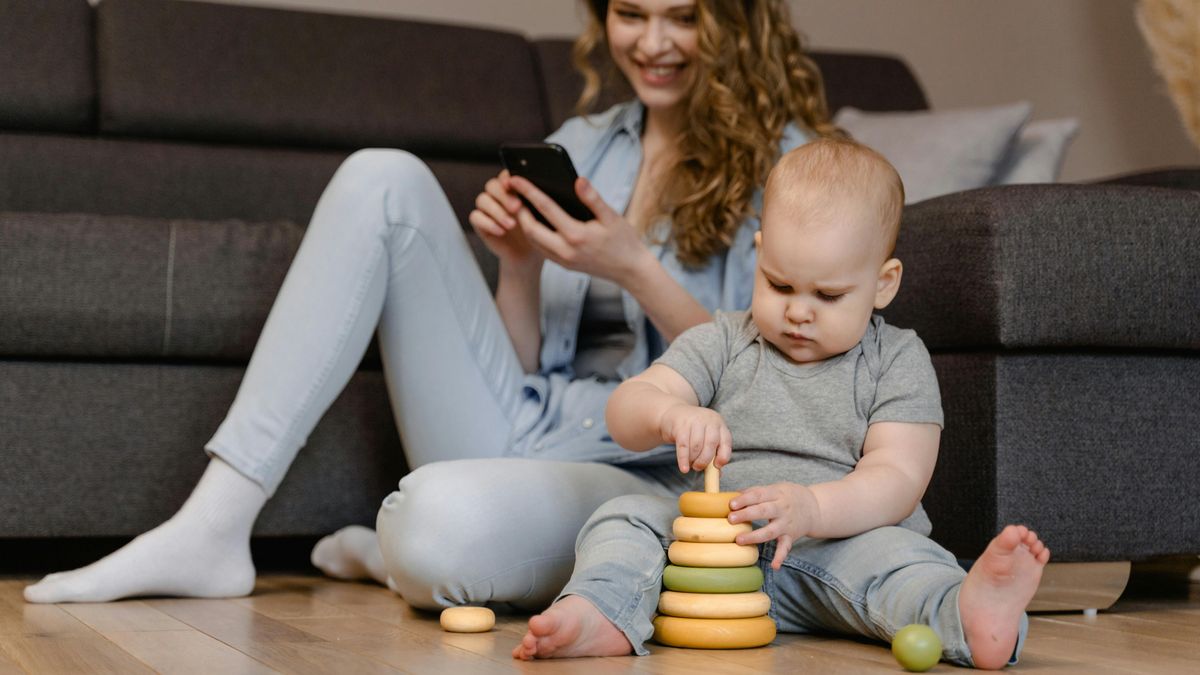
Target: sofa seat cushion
(1063, 266)
(85, 286)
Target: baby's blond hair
(822, 174)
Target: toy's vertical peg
(712, 478)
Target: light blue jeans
(385, 250)
(871, 585)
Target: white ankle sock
(203, 551)
(350, 553)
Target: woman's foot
(350, 553)
(203, 551)
(996, 591)
(571, 627)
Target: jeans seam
(514, 567)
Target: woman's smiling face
(654, 44)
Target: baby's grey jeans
(870, 585)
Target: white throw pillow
(942, 151)
(1038, 155)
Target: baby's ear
(888, 283)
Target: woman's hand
(791, 510)
(607, 246)
(699, 434)
(495, 220)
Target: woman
(513, 386)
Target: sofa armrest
(1053, 265)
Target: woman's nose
(656, 39)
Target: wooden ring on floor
(692, 554)
(712, 579)
(714, 605)
(714, 633)
(705, 504)
(467, 619)
(711, 530)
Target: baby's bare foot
(996, 591)
(571, 627)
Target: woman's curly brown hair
(752, 79)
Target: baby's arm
(883, 489)
(659, 406)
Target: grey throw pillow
(1038, 154)
(939, 152)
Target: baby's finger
(782, 547)
(724, 447)
(763, 511)
(748, 497)
(708, 450)
(761, 535)
(682, 455)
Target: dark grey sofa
(159, 160)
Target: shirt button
(589, 423)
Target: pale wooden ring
(714, 605)
(712, 530)
(690, 554)
(467, 619)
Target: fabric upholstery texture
(942, 151)
(46, 65)
(1040, 266)
(112, 449)
(249, 74)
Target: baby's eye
(829, 297)
(779, 287)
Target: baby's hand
(790, 508)
(699, 434)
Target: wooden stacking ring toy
(693, 554)
(705, 504)
(467, 619)
(712, 579)
(714, 605)
(711, 530)
(714, 633)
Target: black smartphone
(549, 167)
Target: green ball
(917, 647)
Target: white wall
(1078, 58)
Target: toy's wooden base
(675, 631)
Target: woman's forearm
(669, 306)
(518, 296)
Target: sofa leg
(1071, 587)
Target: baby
(836, 419)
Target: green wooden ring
(712, 579)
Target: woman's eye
(826, 297)
(626, 14)
(686, 19)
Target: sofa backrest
(155, 106)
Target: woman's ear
(888, 283)
(757, 241)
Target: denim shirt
(563, 418)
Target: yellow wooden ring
(714, 605)
(467, 619)
(712, 530)
(678, 631)
(690, 554)
(705, 504)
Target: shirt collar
(630, 120)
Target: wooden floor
(301, 624)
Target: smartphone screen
(549, 167)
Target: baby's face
(818, 283)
